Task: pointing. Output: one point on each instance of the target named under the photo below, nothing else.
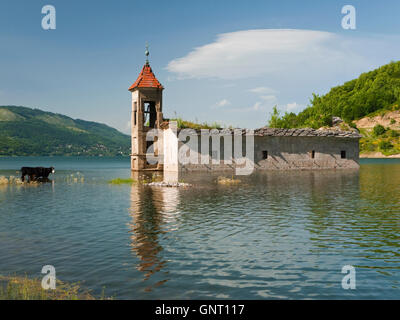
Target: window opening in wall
(134, 112)
(150, 114)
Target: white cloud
(257, 106)
(292, 106)
(271, 52)
(264, 90)
(266, 103)
(223, 103)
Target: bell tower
(146, 115)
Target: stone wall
(295, 152)
(274, 152)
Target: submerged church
(156, 142)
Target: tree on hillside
(371, 91)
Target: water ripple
(277, 235)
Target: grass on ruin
(228, 181)
(122, 181)
(145, 180)
(24, 288)
(184, 124)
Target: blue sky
(225, 61)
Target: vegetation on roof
(184, 124)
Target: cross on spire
(147, 52)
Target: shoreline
(378, 155)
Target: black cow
(36, 173)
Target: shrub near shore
(24, 288)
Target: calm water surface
(276, 235)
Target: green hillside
(371, 91)
(25, 131)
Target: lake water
(275, 235)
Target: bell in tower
(146, 115)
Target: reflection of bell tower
(154, 214)
(146, 115)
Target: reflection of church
(153, 212)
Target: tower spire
(147, 53)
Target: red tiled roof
(146, 79)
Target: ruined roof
(276, 132)
(146, 79)
(306, 132)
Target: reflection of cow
(36, 173)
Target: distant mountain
(33, 132)
(372, 91)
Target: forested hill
(25, 131)
(371, 91)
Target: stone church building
(272, 149)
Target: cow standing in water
(36, 173)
